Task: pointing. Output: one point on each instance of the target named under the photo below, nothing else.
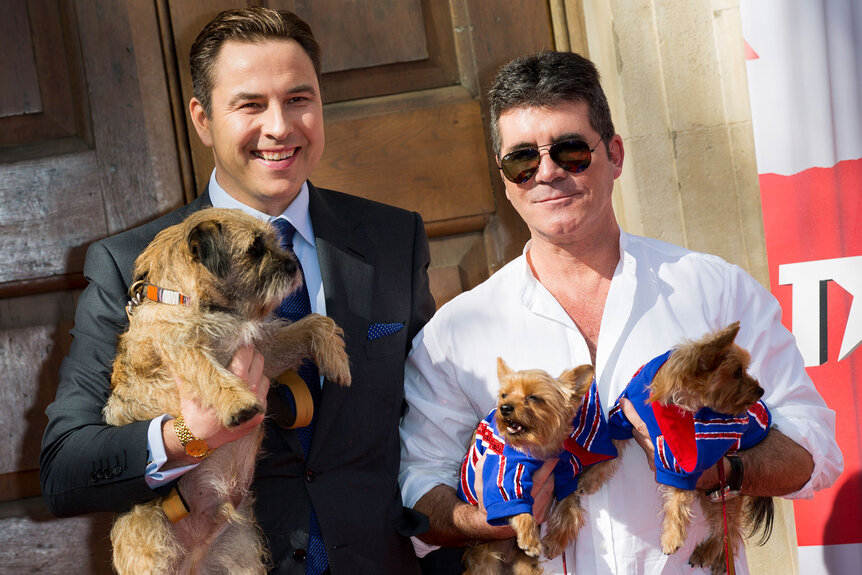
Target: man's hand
(640, 431)
(247, 364)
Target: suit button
(299, 555)
(118, 470)
(309, 476)
(100, 474)
(93, 476)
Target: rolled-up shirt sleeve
(439, 422)
(798, 410)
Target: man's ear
(618, 154)
(201, 122)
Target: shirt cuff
(421, 549)
(154, 477)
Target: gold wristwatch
(194, 446)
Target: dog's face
(223, 260)
(711, 372)
(534, 410)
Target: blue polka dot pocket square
(378, 330)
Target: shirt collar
(536, 297)
(296, 213)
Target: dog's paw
(243, 414)
(669, 546)
(528, 534)
(708, 553)
(329, 352)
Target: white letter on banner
(809, 304)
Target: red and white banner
(804, 61)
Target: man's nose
(548, 169)
(276, 123)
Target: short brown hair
(547, 79)
(254, 24)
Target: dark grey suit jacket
(373, 260)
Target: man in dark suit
(257, 104)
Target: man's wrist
(730, 476)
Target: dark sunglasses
(571, 155)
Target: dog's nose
(506, 409)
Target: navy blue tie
(296, 306)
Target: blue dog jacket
(686, 444)
(507, 473)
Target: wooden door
(95, 138)
(88, 148)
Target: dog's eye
(532, 398)
(738, 373)
(257, 247)
(502, 396)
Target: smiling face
(560, 207)
(266, 124)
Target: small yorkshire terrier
(537, 418)
(202, 289)
(702, 388)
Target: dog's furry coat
(234, 273)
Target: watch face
(197, 448)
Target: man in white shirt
(584, 291)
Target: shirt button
(309, 476)
(299, 555)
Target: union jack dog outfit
(686, 444)
(507, 473)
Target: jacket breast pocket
(385, 339)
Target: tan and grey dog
(705, 382)
(534, 416)
(225, 274)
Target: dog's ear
(206, 244)
(714, 347)
(502, 369)
(578, 379)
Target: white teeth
(275, 156)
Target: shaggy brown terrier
(711, 372)
(534, 416)
(232, 275)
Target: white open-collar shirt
(659, 294)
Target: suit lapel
(346, 259)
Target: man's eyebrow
(303, 88)
(242, 96)
(299, 89)
(560, 138)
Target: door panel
(88, 147)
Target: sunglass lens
(520, 165)
(571, 155)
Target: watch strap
(194, 446)
(728, 486)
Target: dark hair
(547, 79)
(254, 24)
